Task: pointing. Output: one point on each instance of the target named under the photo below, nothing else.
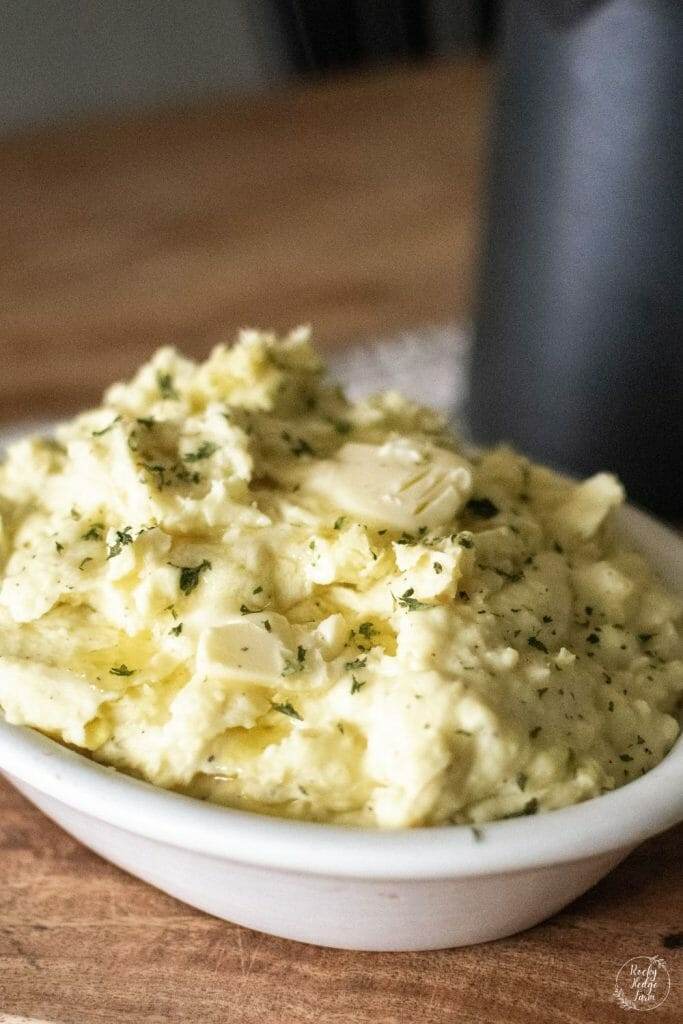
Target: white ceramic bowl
(346, 887)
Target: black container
(579, 349)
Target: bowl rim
(614, 821)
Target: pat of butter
(393, 485)
(242, 650)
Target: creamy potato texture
(232, 582)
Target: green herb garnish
(105, 430)
(165, 385)
(483, 508)
(533, 641)
(287, 709)
(123, 537)
(121, 670)
(94, 533)
(411, 603)
(205, 451)
(301, 447)
(357, 663)
(189, 575)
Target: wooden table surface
(354, 206)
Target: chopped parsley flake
(406, 538)
(533, 641)
(189, 575)
(267, 626)
(338, 523)
(482, 508)
(625, 757)
(177, 630)
(350, 666)
(166, 386)
(367, 630)
(121, 670)
(205, 451)
(512, 577)
(287, 709)
(522, 780)
(244, 610)
(533, 733)
(357, 685)
(438, 568)
(59, 547)
(593, 638)
(123, 537)
(530, 807)
(105, 430)
(411, 603)
(82, 564)
(301, 447)
(94, 533)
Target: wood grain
(83, 943)
(354, 206)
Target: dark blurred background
(76, 57)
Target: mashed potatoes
(232, 582)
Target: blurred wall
(60, 58)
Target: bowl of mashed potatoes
(318, 667)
